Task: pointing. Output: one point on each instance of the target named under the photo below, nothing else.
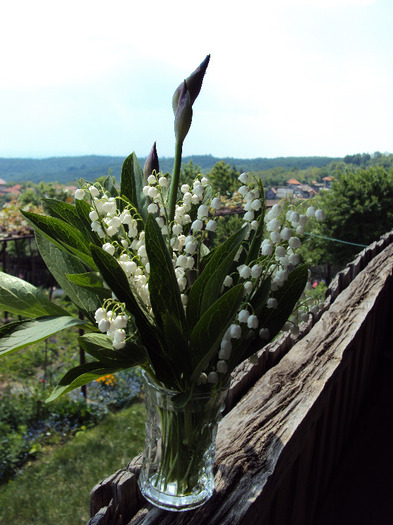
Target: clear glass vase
(177, 468)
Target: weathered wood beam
(278, 446)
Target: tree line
(67, 170)
(358, 207)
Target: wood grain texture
(281, 441)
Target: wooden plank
(263, 438)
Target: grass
(56, 487)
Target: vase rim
(171, 392)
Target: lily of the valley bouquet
(136, 263)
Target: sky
(286, 77)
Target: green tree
(30, 196)
(223, 178)
(189, 172)
(226, 225)
(358, 209)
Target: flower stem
(175, 180)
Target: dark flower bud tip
(193, 82)
(151, 163)
(183, 115)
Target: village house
(327, 182)
(294, 184)
(270, 193)
(296, 190)
(284, 192)
(10, 190)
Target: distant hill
(67, 170)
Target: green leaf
(163, 287)
(61, 210)
(117, 281)
(83, 209)
(90, 281)
(132, 183)
(61, 263)
(109, 186)
(64, 235)
(82, 375)
(151, 336)
(23, 333)
(287, 296)
(178, 348)
(76, 215)
(258, 300)
(212, 326)
(207, 288)
(22, 298)
(100, 346)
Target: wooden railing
(288, 417)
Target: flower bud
(79, 194)
(216, 203)
(211, 226)
(228, 281)
(193, 84)
(264, 334)
(212, 378)
(243, 177)
(252, 322)
(104, 325)
(319, 215)
(235, 331)
(202, 379)
(222, 367)
(203, 211)
(243, 316)
(93, 215)
(151, 163)
(183, 115)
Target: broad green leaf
(163, 287)
(132, 183)
(92, 341)
(151, 336)
(61, 263)
(90, 281)
(207, 288)
(23, 333)
(258, 300)
(76, 215)
(178, 348)
(83, 209)
(210, 329)
(61, 210)
(287, 296)
(117, 281)
(82, 375)
(109, 186)
(22, 298)
(64, 235)
(100, 346)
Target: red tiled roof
(14, 190)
